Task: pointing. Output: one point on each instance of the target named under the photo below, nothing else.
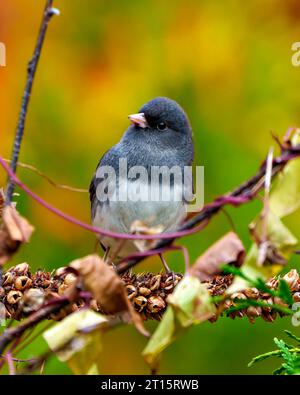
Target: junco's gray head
(161, 115)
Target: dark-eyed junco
(159, 137)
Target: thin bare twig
(47, 178)
(31, 70)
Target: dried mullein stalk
(23, 293)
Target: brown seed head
(156, 304)
(292, 279)
(20, 269)
(144, 291)
(155, 282)
(140, 302)
(22, 283)
(13, 297)
(7, 279)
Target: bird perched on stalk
(159, 136)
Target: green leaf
(284, 292)
(292, 336)
(77, 340)
(279, 371)
(289, 354)
(244, 304)
(189, 304)
(262, 357)
(249, 278)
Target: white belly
(119, 216)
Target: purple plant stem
(10, 362)
(86, 226)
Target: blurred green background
(228, 63)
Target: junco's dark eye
(162, 126)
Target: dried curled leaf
(140, 228)
(189, 304)
(280, 242)
(107, 288)
(14, 231)
(77, 340)
(227, 250)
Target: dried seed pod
(272, 283)
(62, 289)
(7, 279)
(155, 282)
(22, 283)
(13, 297)
(296, 297)
(227, 304)
(238, 295)
(144, 291)
(251, 293)
(155, 304)
(131, 291)
(42, 279)
(21, 269)
(33, 299)
(70, 279)
(269, 316)
(270, 302)
(140, 302)
(254, 311)
(292, 279)
(60, 271)
(239, 314)
(280, 302)
(170, 283)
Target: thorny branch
(31, 70)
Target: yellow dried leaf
(77, 340)
(189, 304)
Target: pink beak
(138, 120)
